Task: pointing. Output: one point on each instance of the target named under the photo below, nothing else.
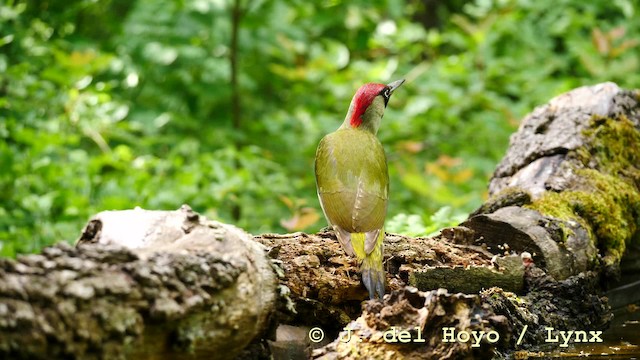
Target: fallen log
(140, 284)
(147, 284)
(567, 190)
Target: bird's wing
(353, 181)
(371, 240)
(344, 237)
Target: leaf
(600, 41)
(301, 220)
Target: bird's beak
(394, 85)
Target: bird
(352, 181)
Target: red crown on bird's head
(362, 99)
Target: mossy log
(568, 189)
(158, 284)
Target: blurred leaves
(303, 216)
(414, 225)
(115, 104)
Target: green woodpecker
(353, 182)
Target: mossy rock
(603, 195)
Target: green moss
(615, 147)
(558, 206)
(604, 197)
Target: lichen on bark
(603, 193)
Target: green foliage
(413, 225)
(115, 104)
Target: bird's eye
(386, 93)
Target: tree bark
(140, 284)
(567, 190)
(172, 284)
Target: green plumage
(353, 187)
(352, 179)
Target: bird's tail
(372, 268)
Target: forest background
(220, 104)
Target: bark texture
(567, 190)
(182, 287)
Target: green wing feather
(353, 182)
